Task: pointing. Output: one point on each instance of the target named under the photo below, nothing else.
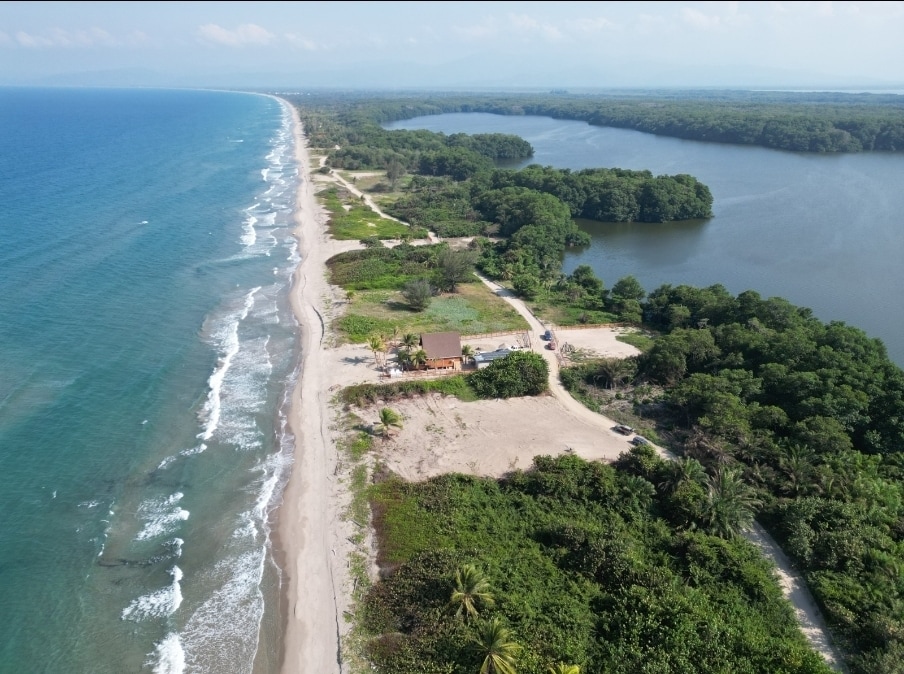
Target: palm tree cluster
(410, 356)
(493, 642)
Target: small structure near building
(484, 358)
(443, 350)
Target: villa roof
(441, 345)
(489, 356)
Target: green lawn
(358, 221)
(474, 309)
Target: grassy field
(473, 309)
(350, 218)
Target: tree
(471, 587)
(418, 359)
(562, 668)
(494, 643)
(730, 506)
(377, 345)
(520, 373)
(389, 419)
(467, 353)
(417, 292)
(410, 340)
(394, 171)
(454, 267)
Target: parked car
(624, 430)
(639, 440)
(547, 335)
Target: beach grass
(362, 395)
(474, 309)
(351, 219)
(564, 315)
(638, 340)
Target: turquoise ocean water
(147, 350)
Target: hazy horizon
(592, 45)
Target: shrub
(520, 373)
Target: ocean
(147, 352)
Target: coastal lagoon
(823, 231)
(147, 351)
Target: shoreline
(309, 539)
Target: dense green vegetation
(580, 564)
(813, 416)
(776, 415)
(800, 122)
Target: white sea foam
(157, 604)
(168, 656)
(221, 635)
(161, 516)
(245, 393)
(229, 343)
(249, 235)
(264, 173)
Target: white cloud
(478, 31)
(591, 25)
(732, 17)
(245, 34)
(74, 39)
(301, 42)
(528, 26)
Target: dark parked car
(547, 335)
(639, 440)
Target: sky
(454, 45)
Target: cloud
(712, 21)
(243, 35)
(301, 42)
(73, 39)
(528, 26)
(521, 26)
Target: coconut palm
(681, 470)
(418, 358)
(494, 643)
(471, 588)
(562, 668)
(410, 340)
(389, 419)
(731, 504)
(377, 345)
(467, 352)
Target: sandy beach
(440, 434)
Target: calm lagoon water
(823, 231)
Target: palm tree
(562, 668)
(410, 340)
(494, 643)
(731, 504)
(389, 418)
(376, 344)
(418, 359)
(471, 587)
(467, 353)
(681, 470)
